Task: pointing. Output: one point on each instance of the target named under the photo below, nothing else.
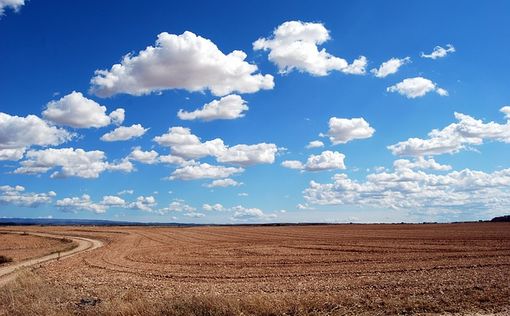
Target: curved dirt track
(8, 273)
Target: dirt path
(8, 273)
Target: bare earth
(69, 246)
(293, 270)
(20, 247)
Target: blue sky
(368, 81)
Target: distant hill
(505, 218)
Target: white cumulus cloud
(12, 4)
(342, 130)
(146, 157)
(17, 134)
(327, 160)
(124, 133)
(83, 203)
(390, 67)
(506, 110)
(185, 61)
(178, 205)
(408, 187)
(214, 207)
(227, 108)
(294, 46)
(113, 200)
(416, 87)
(315, 144)
(77, 111)
(189, 146)
(143, 203)
(242, 213)
(223, 183)
(293, 164)
(69, 162)
(203, 171)
(16, 195)
(455, 137)
(439, 52)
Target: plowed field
(336, 269)
(20, 247)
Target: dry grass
(29, 294)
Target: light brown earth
(20, 247)
(66, 246)
(274, 270)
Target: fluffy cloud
(194, 215)
(293, 46)
(416, 87)
(293, 164)
(173, 160)
(203, 171)
(124, 133)
(117, 116)
(390, 67)
(468, 131)
(327, 160)
(83, 203)
(178, 206)
(227, 108)
(315, 144)
(408, 188)
(248, 154)
(70, 161)
(147, 157)
(12, 4)
(439, 52)
(12, 154)
(304, 206)
(506, 110)
(153, 157)
(420, 163)
(188, 146)
(214, 207)
(77, 111)
(177, 136)
(242, 213)
(143, 203)
(223, 183)
(16, 196)
(18, 133)
(123, 166)
(185, 61)
(343, 130)
(112, 200)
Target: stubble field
(274, 270)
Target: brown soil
(288, 270)
(21, 247)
